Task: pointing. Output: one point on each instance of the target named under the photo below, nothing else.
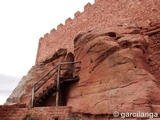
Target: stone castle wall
(102, 14)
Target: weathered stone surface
(119, 71)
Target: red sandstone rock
(120, 59)
(116, 72)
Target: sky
(22, 23)
(7, 85)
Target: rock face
(119, 70)
(120, 59)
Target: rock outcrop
(119, 70)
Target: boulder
(119, 71)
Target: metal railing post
(58, 87)
(33, 89)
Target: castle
(102, 14)
(116, 46)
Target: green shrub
(26, 116)
(74, 118)
(29, 116)
(34, 118)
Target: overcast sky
(22, 23)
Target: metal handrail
(58, 70)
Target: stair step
(44, 95)
(69, 79)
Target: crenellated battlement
(100, 14)
(87, 6)
(60, 26)
(46, 35)
(53, 31)
(69, 20)
(77, 14)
